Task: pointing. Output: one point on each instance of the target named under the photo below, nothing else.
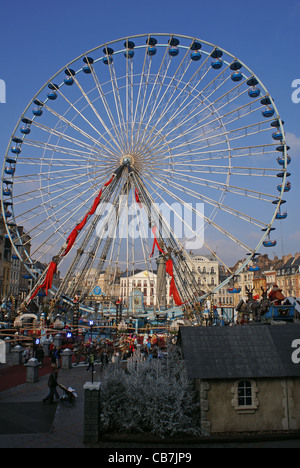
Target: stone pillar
(66, 362)
(46, 346)
(17, 355)
(2, 352)
(91, 412)
(7, 342)
(57, 340)
(32, 371)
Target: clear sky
(38, 38)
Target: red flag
(48, 280)
(173, 289)
(137, 198)
(155, 243)
(71, 241)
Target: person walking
(52, 384)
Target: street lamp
(91, 323)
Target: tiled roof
(252, 351)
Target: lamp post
(91, 323)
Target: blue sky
(38, 38)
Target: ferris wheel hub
(128, 160)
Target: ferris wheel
(156, 144)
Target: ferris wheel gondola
(127, 130)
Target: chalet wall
(276, 406)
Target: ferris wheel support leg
(167, 238)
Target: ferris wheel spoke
(118, 106)
(158, 104)
(179, 108)
(55, 148)
(195, 234)
(196, 167)
(216, 185)
(215, 203)
(141, 96)
(213, 139)
(64, 136)
(106, 106)
(207, 220)
(112, 143)
(213, 112)
(154, 94)
(109, 148)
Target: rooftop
(253, 351)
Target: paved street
(66, 430)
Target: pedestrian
(57, 355)
(26, 355)
(52, 384)
(39, 354)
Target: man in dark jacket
(52, 384)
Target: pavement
(26, 423)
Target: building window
(245, 399)
(245, 393)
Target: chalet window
(245, 393)
(245, 399)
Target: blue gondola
(88, 65)
(287, 187)
(16, 149)
(7, 192)
(254, 268)
(281, 160)
(107, 60)
(26, 276)
(217, 53)
(195, 54)
(52, 95)
(10, 170)
(254, 92)
(282, 174)
(252, 82)
(37, 111)
(277, 135)
(269, 243)
(129, 52)
(236, 65)
(236, 76)
(280, 215)
(234, 290)
(151, 49)
(69, 81)
(276, 123)
(217, 64)
(25, 129)
(173, 49)
(268, 111)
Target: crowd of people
(104, 350)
